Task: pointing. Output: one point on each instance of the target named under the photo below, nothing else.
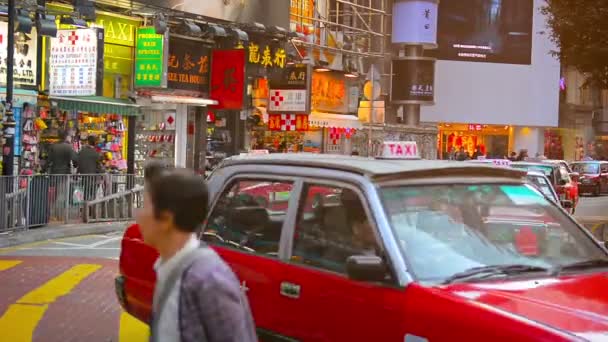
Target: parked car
(395, 250)
(593, 176)
(559, 177)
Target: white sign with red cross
(288, 122)
(400, 150)
(73, 63)
(287, 100)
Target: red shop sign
(288, 122)
(228, 78)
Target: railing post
(67, 198)
(27, 201)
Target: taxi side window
(332, 225)
(249, 216)
(604, 168)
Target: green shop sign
(150, 59)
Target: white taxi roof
(376, 167)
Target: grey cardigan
(212, 306)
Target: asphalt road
(592, 207)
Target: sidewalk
(9, 239)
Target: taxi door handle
(290, 290)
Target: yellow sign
(118, 30)
(266, 56)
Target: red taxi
(395, 250)
(593, 176)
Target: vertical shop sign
(288, 92)
(24, 66)
(188, 66)
(76, 63)
(228, 78)
(150, 59)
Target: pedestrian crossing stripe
(20, 320)
(6, 264)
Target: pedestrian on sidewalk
(197, 296)
(89, 163)
(61, 158)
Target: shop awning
(317, 119)
(97, 104)
(20, 96)
(189, 100)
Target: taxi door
(323, 303)
(245, 227)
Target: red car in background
(593, 176)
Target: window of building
(249, 216)
(332, 225)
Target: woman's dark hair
(92, 140)
(180, 192)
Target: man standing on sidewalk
(89, 164)
(197, 296)
(60, 159)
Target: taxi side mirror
(366, 268)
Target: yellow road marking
(20, 320)
(132, 329)
(6, 264)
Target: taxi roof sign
(400, 150)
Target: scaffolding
(356, 29)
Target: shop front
(25, 79)
(492, 141)
(172, 75)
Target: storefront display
(154, 139)
(476, 139)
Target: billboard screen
(495, 31)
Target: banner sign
(288, 122)
(188, 65)
(150, 66)
(292, 77)
(228, 78)
(413, 81)
(24, 66)
(76, 62)
(267, 56)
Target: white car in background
(540, 181)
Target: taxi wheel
(597, 191)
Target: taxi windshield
(443, 230)
(586, 168)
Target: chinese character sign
(24, 63)
(149, 58)
(188, 66)
(228, 78)
(73, 62)
(415, 22)
(287, 100)
(266, 56)
(413, 80)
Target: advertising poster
(497, 31)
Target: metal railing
(116, 207)
(40, 200)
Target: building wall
(267, 12)
(493, 93)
